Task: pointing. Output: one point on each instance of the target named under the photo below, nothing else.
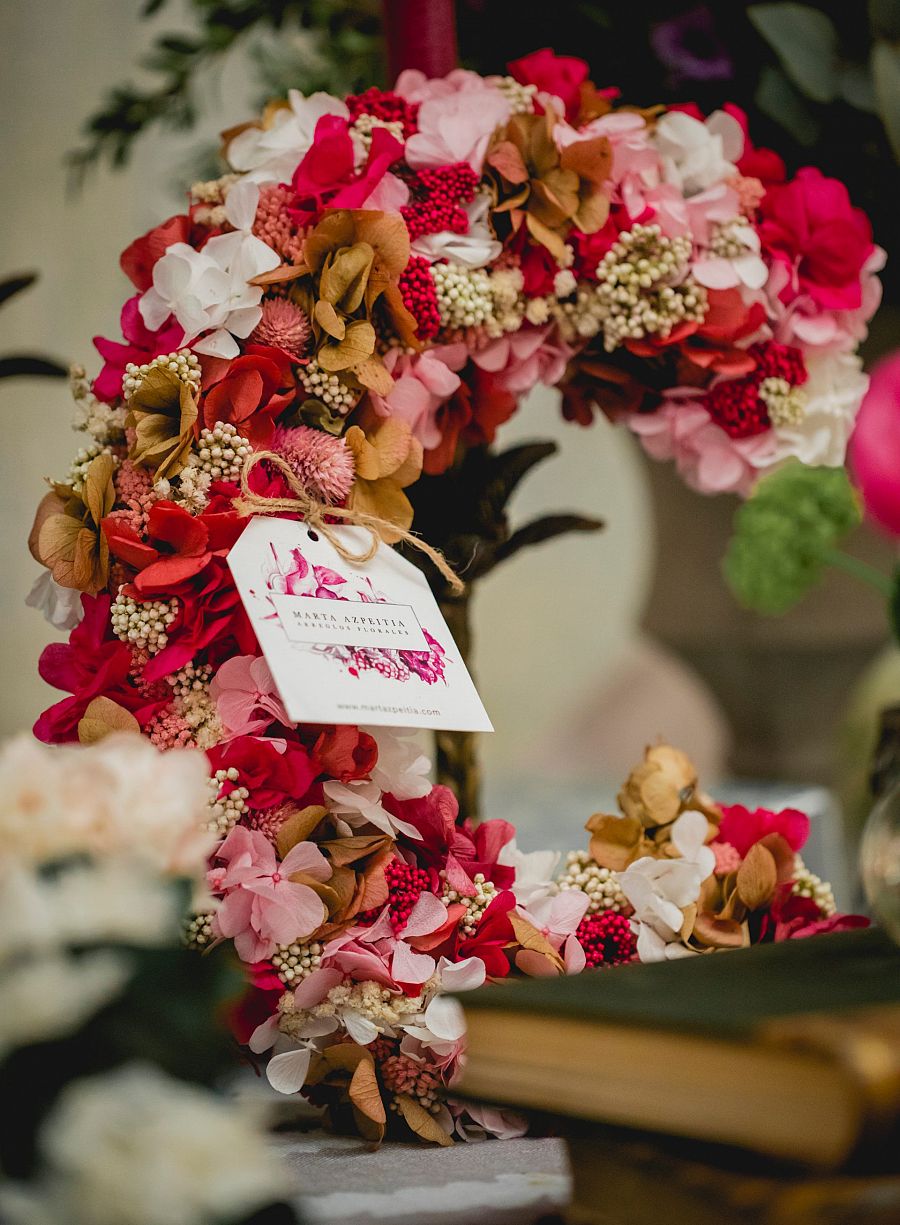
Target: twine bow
(314, 513)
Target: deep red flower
(742, 828)
(141, 345)
(560, 75)
(273, 771)
(493, 933)
(93, 663)
(491, 404)
(810, 226)
(345, 753)
(137, 260)
(793, 918)
(178, 547)
(249, 392)
(327, 177)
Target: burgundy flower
(141, 345)
(796, 917)
(742, 828)
(93, 663)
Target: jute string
(314, 513)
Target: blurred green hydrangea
(786, 533)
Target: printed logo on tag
(350, 643)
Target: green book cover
(727, 993)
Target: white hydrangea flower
(273, 153)
(831, 398)
(209, 291)
(401, 768)
(698, 155)
(475, 249)
(135, 1147)
(660, 889)
(61, 606)
(535, 873)
(359, 803)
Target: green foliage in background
(786, 533)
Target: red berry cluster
(406, 884)
(435, 196)
(420, 297)
(607, 938)
(384, 105)
(735, 404)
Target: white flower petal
(287, 1073)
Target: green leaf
(777, 98)
(886, 75)
(805, 41)
(857, 87)
(784, 534)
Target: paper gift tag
(351, 643)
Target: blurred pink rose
(875, 446)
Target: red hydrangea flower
(258, 1003)
(249, 392)
(138, 259)
(141, 345)
(797, 917)
(742, 828)
(345, 753)
(560, 75)
(93, 663)
(179, 546)
(273, 771)
(327, 176)
(810, 226)
(491, 937)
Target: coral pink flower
(742, 828)
(557, 918)
(422, 383)
(246, 697)
(875, 445)
(322, 462)
(141, 345)
(414, 86)
(810, 226)
(520, 360)
(262, 906)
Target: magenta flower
(246, 697)
(875, 446)
(262, 907)
(140, 345)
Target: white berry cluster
(361, 133)
(485, 892)
(85, 456)
(198, 932)
(104, 423)
(210, 195)
(807, 884)
(201, 715)
(507, 301)
(328, 388)
(463, 296)
(730, 239)
(294, 962)
(190, 488)
(221, 452)
(225, 810)
(142, 623)
(643, 287)
(190, 678)
(376, 1003)
(520, 97)
(785, 404)
(600, 884)
(183, 363)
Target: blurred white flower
(830, 401)
(476, 248)
(359, 803)
(209, 291)
(535, 872)
(61, 606)
(135, 1147)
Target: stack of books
(761, 1085)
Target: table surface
(343, 1181)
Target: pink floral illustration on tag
(295, 576)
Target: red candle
(420, 34)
